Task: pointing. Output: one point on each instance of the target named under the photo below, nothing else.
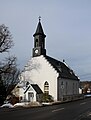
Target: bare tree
(10, 73)
(5, 39)
(8, 67)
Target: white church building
(44, 74)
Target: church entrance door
(30, 96)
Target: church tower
(39, 41)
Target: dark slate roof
(39, 30)
(63, 70)
(37, 88)
(26, 89)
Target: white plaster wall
(21, 93)
(38, 71)
(80, 91)
(67, 88)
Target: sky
(66, 23)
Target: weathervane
(39, 18)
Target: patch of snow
(7, 105)
(46, 103)
(19, 104)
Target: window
(62, 84)
(66, 87)
(36, 43)
(46, 88)
(76, 89)
(73, 88)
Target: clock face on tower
(36, 51)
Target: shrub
(47, 98)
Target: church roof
(63, 70)
(39, 30)
(37, 88)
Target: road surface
(77, 110)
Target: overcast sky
(66, 23)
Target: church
(44, 74)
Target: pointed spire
(39, 30)
(39, 18)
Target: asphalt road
(77, 110)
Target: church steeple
(39, 30)
(39, 41)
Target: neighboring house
(45, 74)
(85, 86)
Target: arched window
(36, 43)
(46, 87)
